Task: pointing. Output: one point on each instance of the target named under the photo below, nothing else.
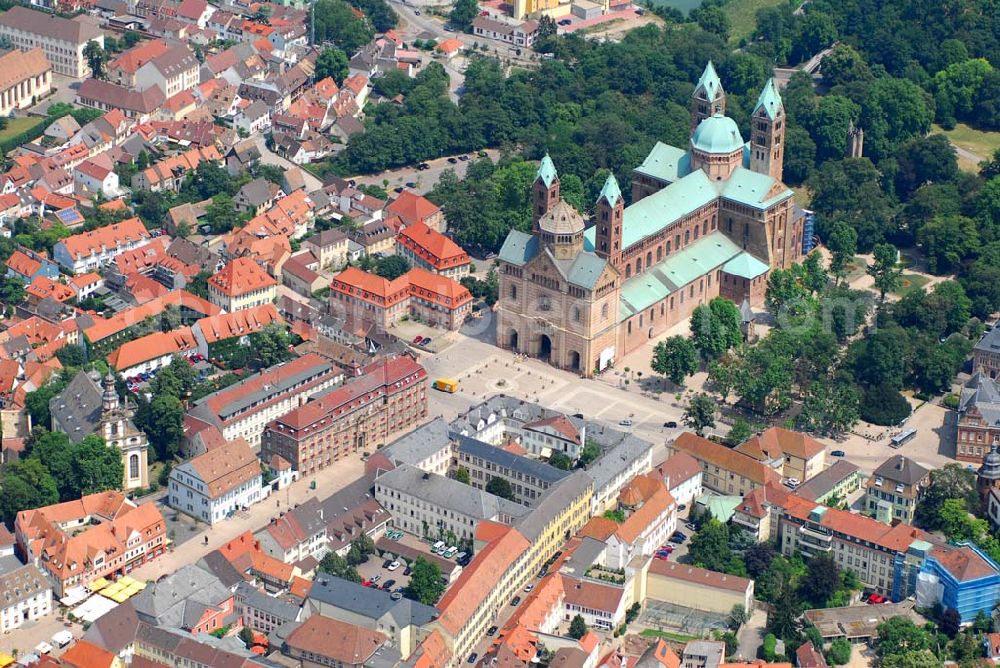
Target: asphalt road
(425, 180)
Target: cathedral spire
(611, 192)
(547, 171)
(709, 98)
(709, 84)
(769, 100)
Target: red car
(663, 557)
(875, 599)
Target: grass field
(743, 16)
(975, 141)
(17, 125)
(802, 196)
(909, 283)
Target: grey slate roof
(448, 494)
(577, 484)
(824, 481)
(901, 469)
(21, 584)
(216, 564)
(77, 409)
(982, 393)
(620, 449)
(180, 599)
(115, 630)
(529, 467)
(258, 600)
(256, 192)
(419, 444)
(368, 602)
(990, 341)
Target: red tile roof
(433, 247)
(703, 449)
(416, 282)
(411, 207)
(22, 264)
(963, 563)
(340, 642)
(43, 287)
(897, 538)
(238, 323)
(240, 277)
(109, 236)
(699, 576)
(776, 442)
(151, 347)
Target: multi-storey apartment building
(725, 470)
(427, 248)
(388, 395)
(241, 284)
(244, 409)
(172, 71)
(63, 40)
(215, 485)
(528, 478)
(895, 488)
(99, 535)
(89, 251)
(25, 78)
(25, 596)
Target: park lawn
(909, 283)
(743, 16)
(18, 125)
(980, 142)
(679, 637)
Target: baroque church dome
(562, 219)
(717, 134)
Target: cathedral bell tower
(708, 98)
(109, 399)
(767, 133)
(544, 192)
(610, 217)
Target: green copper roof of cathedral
(717, 134)
(547, 171)
(610, 191)
(769, 99)
(710, 82)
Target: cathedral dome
(990, 470)
(562, 219)
(717, 134)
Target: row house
(89, 251)
(170, 173)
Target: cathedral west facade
(707, 221)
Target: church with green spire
(707, 220)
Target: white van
(437, 547)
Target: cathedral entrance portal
(545, 347)
(574, 360)
(512, 340)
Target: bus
(903, 437)
(446, 385)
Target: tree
(70, 356)
(246, 635)
(25, 485)
(561, 461)
(800, 155)
(822, 580)
(738, 616)
(462, 14)
(712, 19)
(839, 652)
(758, 559)
(899, 635)
(709, 548)
(96, 58)
(843, 246)
(947, 241)
(199, 284)
(924, 658)
(221, 214)
(355, 556)
(951, 622)
(675, 358)
(546, 27)
(96, 466)
(332, 63)
(893, 111)
(392, 266)
(336, 565)
(590, 452)
(830, 408)
(163, 422)
(884, 269)
(740, 432)
(462, 475)
(700, 413)
(425, 582)
(500, 487)
(924, 160)
(715, 327)
(952, 481)
(884, 405)
(577, 628)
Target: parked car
(423, 166)
(792, 483)
(387, 563)
(463, 158)
(875, 599)
(388, 584)
(527, 590)
(453, 160)
(407, 570)
(515, 601)
(838, 453)
(670, 424)
(376, 578)
(662, 556)
(394, 565)
(565, 22)
(398, 189)
(473, 656)
(417, 339)
(681, 508)
(492, 631)
(411, 184)
(690, 526)
(627, 422)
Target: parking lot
(140, 382)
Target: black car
(670, 425)
(473, 657)
(407, 570)
(463, 158)
(453, 160)
(387, 585)
(515, 601)
(387, 563)
(492, 631)
(411, 184)
(422, 166)
(398, 189)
